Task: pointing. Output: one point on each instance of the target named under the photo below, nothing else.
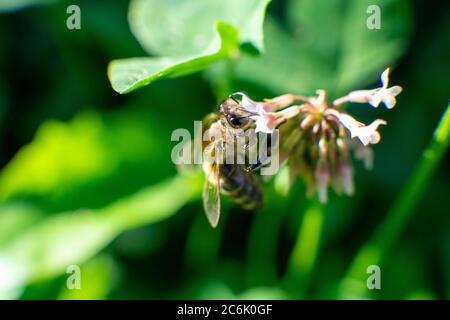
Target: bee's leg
(261, 159)
(255, 166)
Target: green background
(86, 175)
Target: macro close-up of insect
(237, 181)
(224, 150)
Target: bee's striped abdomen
(241, 186)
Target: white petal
(375, 137)
(376, 98)
(247, 103)
(385, 78)
(262, 125)
(395, 90)
(389, 101)
(369, 134)
(366, 134)
(349, 122)
(359, 96)
(290, 112)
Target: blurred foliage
(327, 45)
(86, 177)
(11, 5)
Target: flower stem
(304, 254)
(401, 212)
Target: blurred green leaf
(60, 154)
(284, 66)
(263, 293)
(73, 237)
(95, 283)
(213, 289)
(11, 5)
(187, 36)
(73, 164)
(376, 248)
(15, 218)
(330, 46)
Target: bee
(237, 181)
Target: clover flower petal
(366, 134)
(376, 96)
(265, 120)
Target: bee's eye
(237, 121)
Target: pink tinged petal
(323, 148)
(322, 178)
(366, 134)
(316, 128)
(349, 122)
(366, 155)
(346, 176)
(247, 103)
(266, 121)
(290, 112)
(360, 96)
(373, 97)
(321, 97)
(307, 122)
(376, 96)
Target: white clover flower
(366, 134)
(318, 138)
(376, 96)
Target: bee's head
(236, 116)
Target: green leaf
(16, 217)
(96, 277)
(329, 46)
(285, 66)
(68, 164)
(364, 53)
(60, 154)
(46, 249)
(186, 36)
(264, 293)
(127, 75)
(11, 5)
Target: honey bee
(236, 181)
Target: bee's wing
(211, 189)
(211, 196)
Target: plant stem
(400, 213)
(306, 248)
